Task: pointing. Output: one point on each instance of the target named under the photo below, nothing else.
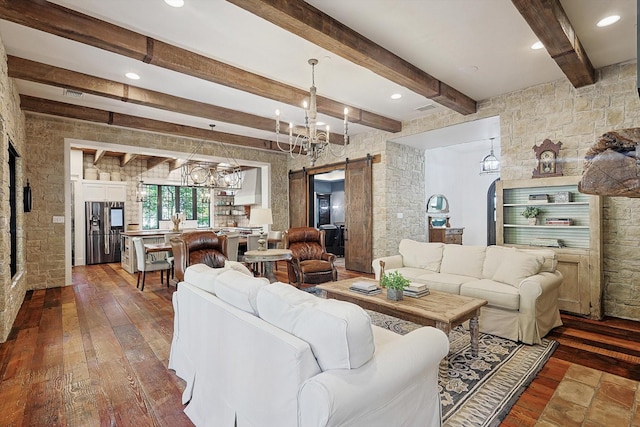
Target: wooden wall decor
(547, 155)
(612, 165)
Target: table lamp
(261, 217)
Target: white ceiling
(479, 47)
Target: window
(165, 200)
(13, 223)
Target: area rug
(480, 391)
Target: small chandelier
(308, 139)
(210, 175)
(141, 192)
(490, 163)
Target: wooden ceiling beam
(82, 28)
(155, 161)
(127, 158)
(304, 20)
(551, 25)
(176, 164)
(33, 71)
(44, 106)
(99, 154)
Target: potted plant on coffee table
(531, 212)
(395, 283)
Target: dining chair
(145, 264)
(233, 241)
(274, 241)
(169, 255)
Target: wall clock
(547, 158)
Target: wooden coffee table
(440, 309)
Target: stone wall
(12, 124)
(577, 117)
(45, 163)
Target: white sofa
(520, 285)
(261, 355)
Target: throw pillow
(463, 260)
(426, 256)
(240, 290)
(281, 304)
(550, 258)
(493, 258)
(517, 266)
(339, 333)
(203, 276)
(238, 266)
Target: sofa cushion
(339, 333)
(463, 260)
(203, 276)
(281, 304)
(493, 258)
(497, 294)
(240, 290)
(409, 272)
(550, 258)
(444, 282)
(238, 266)
(517, 266)
(426, 256)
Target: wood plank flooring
(96, 354)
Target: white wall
(455, 172)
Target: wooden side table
(268, 256)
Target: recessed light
(132, 76)
(537, 45)
(175, 3)
(396, 96)
(608, 20)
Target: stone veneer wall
(12, 128)
(45, 142)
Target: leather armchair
(310, 262)
(198, 247)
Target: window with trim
(163, 201)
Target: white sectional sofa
(520, 285)
(260, 354)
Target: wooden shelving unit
(579, 258)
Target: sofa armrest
(393, 261)
(401, 379)
(539, 305)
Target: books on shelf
(550, 243)
(538, 198)
(558, 221)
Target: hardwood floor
(96, 354)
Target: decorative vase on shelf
(533, 221)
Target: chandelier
(225, 175)
(490, 164)
(308, 138)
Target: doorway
(353, 223)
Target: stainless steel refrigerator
(105, 222)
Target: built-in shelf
(579, 257)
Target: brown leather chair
(310, 262)
(198, 247)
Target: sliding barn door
(298, 212)
(358, 215)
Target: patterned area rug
(480, 391)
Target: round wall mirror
(437, 204)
